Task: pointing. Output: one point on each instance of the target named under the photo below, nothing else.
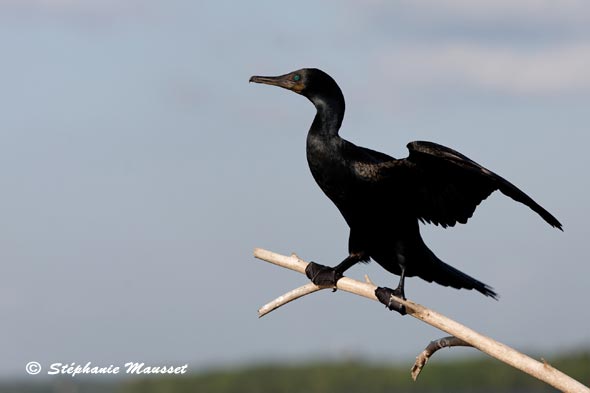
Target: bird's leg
(385, 295)
(328, 276)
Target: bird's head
(312, 83)
(296, 81)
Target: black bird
(383, 198)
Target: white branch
(541, 371)
(434, 346)
(288, 297)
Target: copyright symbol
(33, 368)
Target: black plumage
(383, 198)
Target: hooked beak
(283, 81)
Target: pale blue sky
(139, 169)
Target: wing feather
(444, 187)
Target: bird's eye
(296, 77)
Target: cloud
(502, 6)
(525, 21)
(526, 47)
(540, 10)
(540, 71)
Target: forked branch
(445, 342)
(541, 371)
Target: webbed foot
(321, 275)
(385, 296)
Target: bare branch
(541, 371)
(293, 262)
(434, 346)
(288, 297)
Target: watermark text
(74, 369)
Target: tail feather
(449, 276)
(446, 275)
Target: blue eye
(296, 77)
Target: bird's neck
(324, 145)
(328, 118)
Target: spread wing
(445, 187)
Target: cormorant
(383, 198)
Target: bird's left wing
(444, 187)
